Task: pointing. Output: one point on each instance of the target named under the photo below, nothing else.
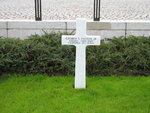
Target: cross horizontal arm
(75, 40)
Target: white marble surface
(105, 29)
(80, 40)
(72, 9)
(37, 25)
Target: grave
(80, 40)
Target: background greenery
(45, 55)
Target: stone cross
(80, 40)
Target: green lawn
(43, 94)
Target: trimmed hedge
(45, 55)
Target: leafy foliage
(45, 55)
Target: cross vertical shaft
(80, 67)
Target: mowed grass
(43, 94)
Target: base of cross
(80, 40)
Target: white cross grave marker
(80, 40)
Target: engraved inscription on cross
(80, 40)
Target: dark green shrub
(45, 55)
(37, 54)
